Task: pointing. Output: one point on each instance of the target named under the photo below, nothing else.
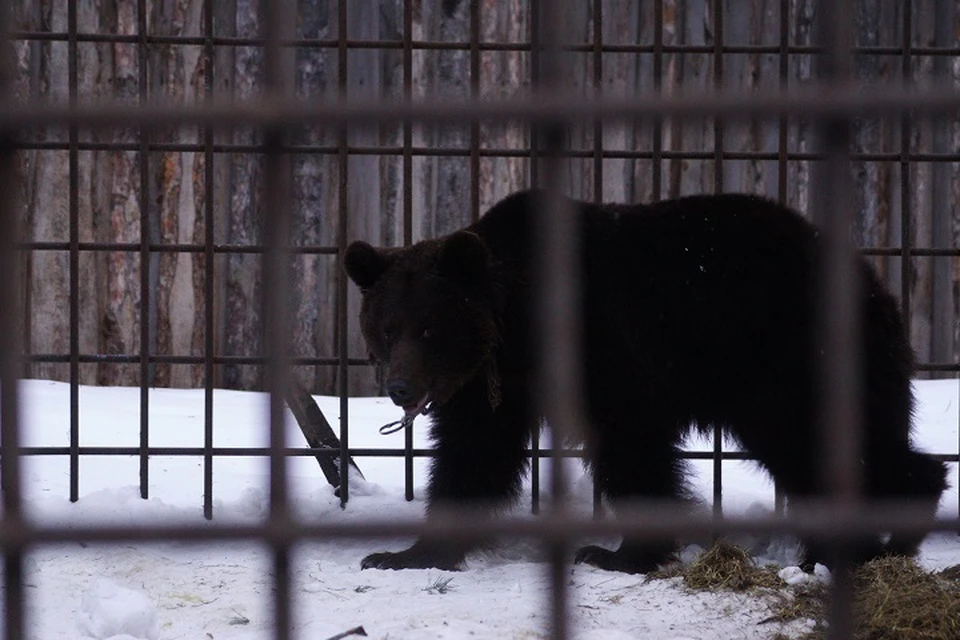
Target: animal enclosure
(188, 174)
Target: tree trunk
(180, 190)
(242, 315)
(108, 194)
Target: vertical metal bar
(274, 17)
(14, 605)
(944, 322)
(906, 191)
(557, 276)
(783, 125)
(145, 289)
(718, 8)
(838, 323)
(657, 135)
(597, 155)
(408, 207)
(535, 470)
(74, 196)
(276, 259)
(208, 271)
(343, 345)
(474, 97)
(837, 318)
(598, 95)
(535, 45)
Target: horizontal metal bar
(361, 452)
(821, 519)
(121, 358)
(919, 251)
(172, 248)
(826, 100)
(486, 152)
(313, 249)
(126, 358)
(483, 46)
(225, 452)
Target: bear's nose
(401, 393)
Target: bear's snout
(404, 394)
(401, 392)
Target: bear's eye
(387, 335)
(425, 335)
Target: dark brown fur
(697, 312)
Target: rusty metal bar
(839, 408)
(824, 519)
(839, 313)
(14, 593)
(276, 17)
(557, 291)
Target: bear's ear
(464, 259)
(364, 264)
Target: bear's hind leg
(899, 474)
(908, 475)
(792, 454)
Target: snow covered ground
(223, 591)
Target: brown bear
(696, 312)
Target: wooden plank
(319, 435)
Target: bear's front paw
(416, 557)
(594, 556)
(385, 560)
(625, 560)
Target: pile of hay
(895, 599)
(723, 566)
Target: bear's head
(428, 315)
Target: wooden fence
(127, 183)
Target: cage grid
(833, 102)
